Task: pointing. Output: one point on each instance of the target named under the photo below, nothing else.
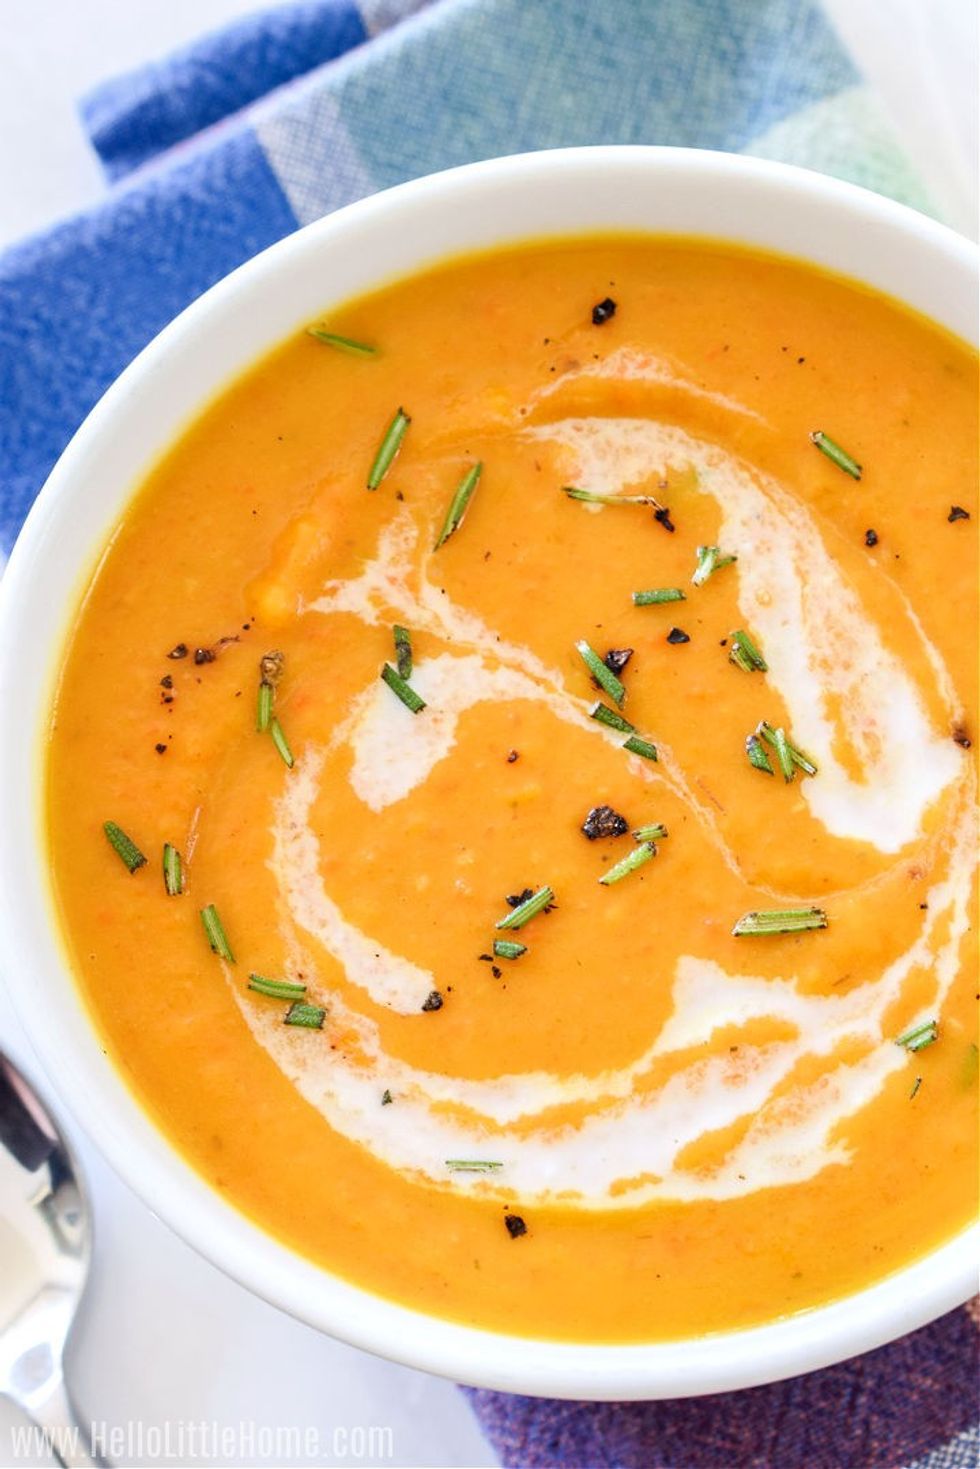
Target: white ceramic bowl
(582, 190)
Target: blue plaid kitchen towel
(220, 150)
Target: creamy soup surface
(612, 1023)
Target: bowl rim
(71, 1060)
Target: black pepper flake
(486, 958)
(662, 517)
(496, 971)
(961, 737)
(603, 311)
(204, 655)
(179, 652)
(871, 537)
(956, 512)
(166, 698)
(515, 1225)
(433, 1001)
(512, 756)
(617, 658)
(386, 1098)
(160, 749)
(603, 821)
(678, 635)
(514, 900)
(167, 681)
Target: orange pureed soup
(616, 945)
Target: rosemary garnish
(636, 746)
(173, 872)
(588, 497)
(276, 989)
(637, 858)
(310, 1016)
(271, 666)
(657, 595)
(472, 1165)
(917, 1037)
(836, 454)
(756, 752)
(710, 560)
(780, 741)
(785, 760)
(343, 344)
(388, 448)
(280, 742)
(603, 676)
(263, 713)
(405, 692)
(123, 846)
(745, 655)
(654, 833)
(607, 716)
(780, 920)
(403, 651)
(458, 504)
(215, 932)
(527, 910)
(508, 949)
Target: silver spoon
(45, 1249)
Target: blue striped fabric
(221, 150)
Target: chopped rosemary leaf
(343, 344)
(917, 1037)
(636, 746)
(263, 713)
(527, 910)
(605, 715)
(780, 920)
(637, 858)
(276, 989)
(404, 690)
(756, 752)
(836, 454)
(508, 949)
(785, 760)
(310, 1016)
(173, 871)
(123, 846)
(795, 753)
(215, 932)
(654, 833)
(658, 595)
(458, 504)
(472, 1165)
(745, 655)
(388, 448)
(589, 498)
(280, 742)
(710, 560)
(386, 1098)
(403, 651)
(603, 676)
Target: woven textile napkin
(224, 148)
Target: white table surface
(165, 1337)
